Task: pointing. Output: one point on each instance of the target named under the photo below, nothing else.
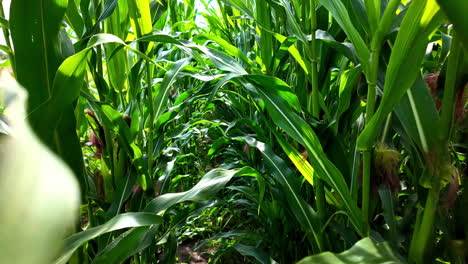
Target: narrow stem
(423, 233)
(314, 61)
(366, 175)
(370, 107)
(320, 198)
(151, 120)
(448, 101)
(376, 44)
(373, 13)
(372, 83)
(318, 188)
(420, 244)
(355, 174)
(122, 97)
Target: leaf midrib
(44, 43)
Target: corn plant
(270, 131)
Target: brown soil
(185, 254)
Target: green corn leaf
(69, 79)
(227, 47)
(4, 23)
(348, 81)
(418, 115)
(123, 192)
(259, 255)
(296, 28)
(421, 20)
(74, 18)
(109, 8)
(284, 117)
(210, 184)
(456, 13)
(299, 161)
(138, 239)
(162, 93)
(358, 14)
(159, 37)
(306, 216)
(340, 14)
(112, 120)
(140, 17)
(229, 234)
(386, 198)
(117, 63)
(288, 45)
(170, 250)
(121, 128)
(36, 45)
(242, 6)
(277, 88)
(118, 222)
(84, 5)
(346, 49)
(125, 245)
(206, 188)
(37, 59)
(365, 251)
(373, 13)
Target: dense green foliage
(259, 130)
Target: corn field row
(247, 131)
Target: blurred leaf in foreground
(39, 193)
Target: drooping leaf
(118, 222)
(365, 251)
(305, 214)
(208, 186)
(227, 47)
(162, 94)
(284, 116)
(259, 255)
